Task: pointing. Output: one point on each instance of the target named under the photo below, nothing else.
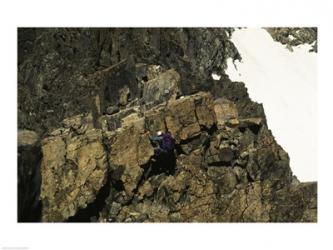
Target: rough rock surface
(74, 168)
(122, 85)
(295, 36)
(66, 72)
(162, 88)
(230, 172)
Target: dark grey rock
(29, 176)
(112, 110)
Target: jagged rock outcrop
(74, 168)
(164, 87)
(221, 171)
(130, 151)
(66, 72)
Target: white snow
(216, 77)
(286, 83)
(291, 37)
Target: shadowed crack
(92, 212)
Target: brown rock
(155, 119)
(73, 169)
(217, 177)
(204, 109)
(225, 110)
(184, 116)
(180, 118)
(124, 96)
(232, 122)
(130, 150)
(257, 209)
(132, 120)
(146, 190)
(251, 121)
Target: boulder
(162, 88)
(181, 120)
(185, 117)
(74, 168)
(145, 72)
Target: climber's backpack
(167, 142)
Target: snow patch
(286, 83)
(291, 37)
(216, 77)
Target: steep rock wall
(95, 95)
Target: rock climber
(164, 160)
(163, 143)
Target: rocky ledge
(225, 168)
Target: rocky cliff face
(98, 163)
(64, 72)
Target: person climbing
(163, 143)
(164, 159)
